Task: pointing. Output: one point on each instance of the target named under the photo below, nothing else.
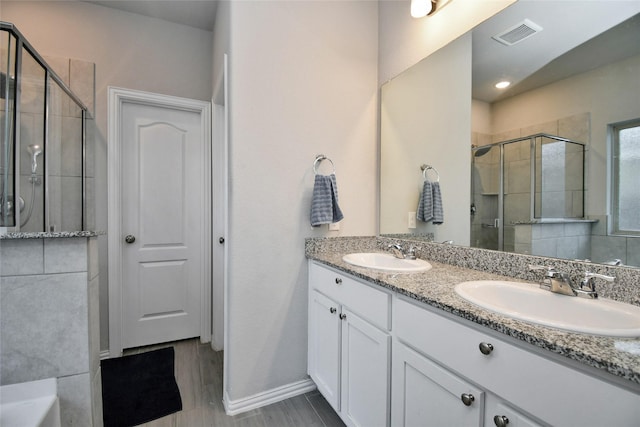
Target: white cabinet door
(499, 414)
(324, 346)
(365, 372)
(425, 394)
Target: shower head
(35, 150)
(482, 151)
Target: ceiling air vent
(517, 33)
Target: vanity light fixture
(503, 84)
(422, 8)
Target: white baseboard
(234, 407)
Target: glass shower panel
(7, 117)
(65, 128)
(32, 159)
(517, 190)
(559, 179)
(485, 191)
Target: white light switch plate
(412, 220)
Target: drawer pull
(338, 281)
(467, 399)
(501, 420)
(332, 310)
(343, 316)
(485, 348)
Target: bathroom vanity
(406, 350)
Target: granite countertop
(50, 235)
(435, 287)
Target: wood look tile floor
(198, 371)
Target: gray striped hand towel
(430, 204)
(324, 202)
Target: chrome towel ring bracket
(426, 168)
(319, 159)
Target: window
(625, 138)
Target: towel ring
(320, 158)
(425, 168)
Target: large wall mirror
(531, 168)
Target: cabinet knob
(485, 348)
(338, 281)
(343, 316)
(130, 238)
(501, 420)
(332, 310)
(467, 399)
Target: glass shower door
(485, 197)
(7, 117)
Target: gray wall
(303, 81)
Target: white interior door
(162, 178)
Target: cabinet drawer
(371, 304)
(528, 380)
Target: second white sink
(386, 262)
(529, 303)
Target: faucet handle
(590, 275)
(549, 272)
(411, 253)
(588, 284)
(589, 279)
(546, 268)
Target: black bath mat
(139, 388)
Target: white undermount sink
(529, 303)
(386, 262)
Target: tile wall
(49, 321)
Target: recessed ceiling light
(503, 84)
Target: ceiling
(198, 14)
(547, 56)
(556, 52)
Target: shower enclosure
(42, 146)
(522, 189)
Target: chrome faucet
(399, 252)
(561, 283)
(555, 281)
(588, 284)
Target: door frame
(116, 98)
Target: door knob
(130, 238)
(221, 240)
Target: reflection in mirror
(571, 81)
(513, 212)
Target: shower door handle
(129, 238)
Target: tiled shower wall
(518, 181)
(49, 321)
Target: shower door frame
(23, 43)
(532, 184)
